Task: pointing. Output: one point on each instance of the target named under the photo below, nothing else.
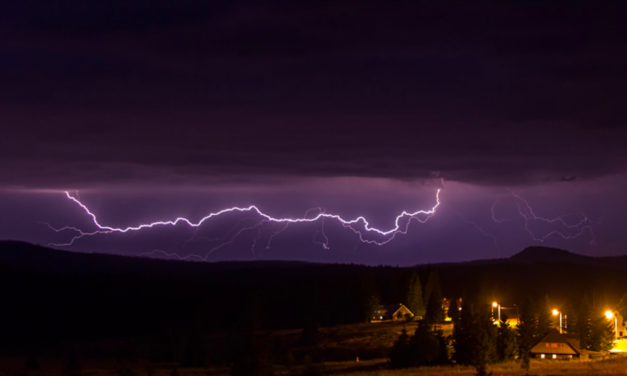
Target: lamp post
(555, 313)
(610, 315)
(498, 307)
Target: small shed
(391, 312)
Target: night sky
(153, 110)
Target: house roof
(554, 336)
(390, 310)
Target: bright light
(556, 312)
(609, 314)
(495, 304)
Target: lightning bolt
(422, 216)
(482, 231)
(568, 231)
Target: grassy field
(616, 366)
(377, 367)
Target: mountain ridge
(22, 255)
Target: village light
(610, 315)
(555, 313)
(495, 305)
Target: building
(556, 345)
(391, 312)
(446, 303)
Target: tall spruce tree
(415, 301)
(435, 314)
(372, 304)
(425, 347)
(401, 355)
(545, 321)
(526, 330)
(485, 348)
(506, 344)
(433, 285)
(602, 336)
(584, 323)
(464, 335)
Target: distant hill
(536, 255)
(26, 256)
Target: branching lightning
(359, 226)
(565, 230)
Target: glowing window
(547, 344)
(555, 345)
(541, 356)
(554, 356)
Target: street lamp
(555, 313)
(496, 305)
(610, 315)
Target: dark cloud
(195, 92)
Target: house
(556, 345)
(446, 303)
(391, 312)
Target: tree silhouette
(526, 330)
(415, 301)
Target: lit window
(547, 344)
(554, 356)
(380, 317)
(541, 356)
(555, 345)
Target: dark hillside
(47, 293)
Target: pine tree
(400, 355)
(424, 345)
(371, 306)
(464, 335)
(506, 340)
(435, 314)
(485, 350)
(433, 285)
(622, 306)
(453, 310)
(584, 324)
(545, 323)
(309, 335)
(415, 301)
(526, 330)
(602, 336)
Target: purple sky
(157, 110)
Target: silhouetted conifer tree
(195, 355)
(371, 306)
(506, 340)
(425, 347)
(584, 325)
(310, 334)
(526, 330)
(602, 336)
(415, 301)
(254, 357)
(433, 285)
(545, 321)
(464, 335)
(400, 355)
(485, 348)
(435, 314)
